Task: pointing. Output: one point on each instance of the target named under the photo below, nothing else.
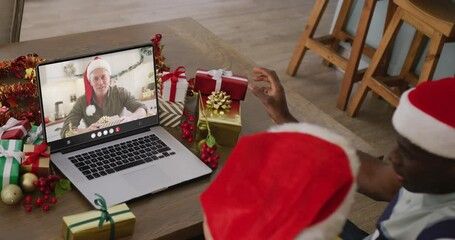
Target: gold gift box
(124, 224)
(42, 170)
(224, 126)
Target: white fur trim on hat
(333, 225)
(422, 129)
(98, 63)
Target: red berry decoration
(28, 208)
(208, 154)
(187, 127)
(46, 207)
(44, 199)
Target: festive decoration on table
(218, 102)
(207, 146)
(105, 223)
(19, 100)
(11, 194)
(170, 112)
(44, 199)
(15, 129)
(10, 158)
(225, 125)
(174, 85)
(187, 127)
(37, 159)
(27, 182)
(159, 58)
(207, 81)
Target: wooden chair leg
(431, 60)
(356, 53)
(411, 57)
(339, 25)
(384, 44)
(313, 22)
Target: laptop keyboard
(121, 156)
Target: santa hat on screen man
(97, 62)
(426, 117)
(296, 181)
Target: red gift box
(207, 81)
(14, 129)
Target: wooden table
(171, 214)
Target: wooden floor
(264, 30)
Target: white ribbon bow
(10, 126)
(33, 136)
(217, 75)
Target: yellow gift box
(36, 159)
(85, 226)
(224, 126)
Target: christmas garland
(20, 100)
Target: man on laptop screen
(101, 121)
(101, 102)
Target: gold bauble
(11, 194)
(27, 180)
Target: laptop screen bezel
(82, 140)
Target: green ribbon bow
(105, 216)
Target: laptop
(123, 157)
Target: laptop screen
(98, 96)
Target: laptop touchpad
(148, 179)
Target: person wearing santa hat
(295, 181)
(418, 178)
(100, 100)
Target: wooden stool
(327, 46)
(436, 20)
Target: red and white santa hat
(295, 181)
(97, 62)
(426, 117)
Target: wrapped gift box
(35, 135)
(85, 225)
(174, 85)
(36, 159)
(208, 81)
(170, 113)
(10, 158)
(14, 129)
(225, 127)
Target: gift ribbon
(33, 159)
(174, 77)
(32, 136)
(218, 74)
(105, 216)
(11, 125)
(8, 163)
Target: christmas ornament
(46, 186)
(207, 146)
(219, 102)
(11, 194)
(27, 180)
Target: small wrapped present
(225, 125)
(221, 80)
(15, 129)
(10, 158)
(174, 85)
(37, 159)
(170, 113)
(106, 223)
(35, 135)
